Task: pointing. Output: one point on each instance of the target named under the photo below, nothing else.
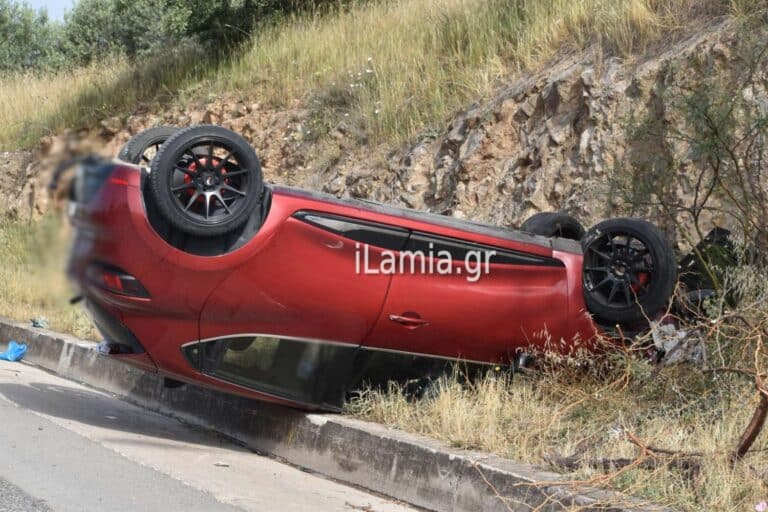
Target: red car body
(294, 286)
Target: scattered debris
(363, 508)
(678, 345)
(221, 464)
(40, 322)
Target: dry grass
(566, 410)
(398, 67)
(32, 106)
(32, 278)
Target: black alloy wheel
(629, 270)
(206, 180)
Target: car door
(491, 302)
(289, 321)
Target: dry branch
(755, 424)
(574, 463)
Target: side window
(303, 370)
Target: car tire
(134, 150)
(629, 271)
(552, 224)
(206, 180)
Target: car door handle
(409, 321)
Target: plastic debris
(14, 352)
(678, 345)
(40, 322)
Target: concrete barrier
(409, 467)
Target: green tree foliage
(151, 24)
(90, 31)
(227, 22)
(94, 29)
(28, 40)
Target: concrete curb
(412, 468)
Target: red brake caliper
(642, 280)
(192, 167)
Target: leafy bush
(30, 40)
(95, 29)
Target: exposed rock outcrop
(550, 141)
(557, 139)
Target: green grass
(397, 67)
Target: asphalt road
(65, 447)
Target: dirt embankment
(553, 140)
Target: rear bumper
(112, 229)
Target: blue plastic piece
(14, 352)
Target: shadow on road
(102, 411)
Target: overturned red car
(191, 266)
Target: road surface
(66, 447)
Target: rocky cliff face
(552, 140)
(555, 140)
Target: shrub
(30, 40)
